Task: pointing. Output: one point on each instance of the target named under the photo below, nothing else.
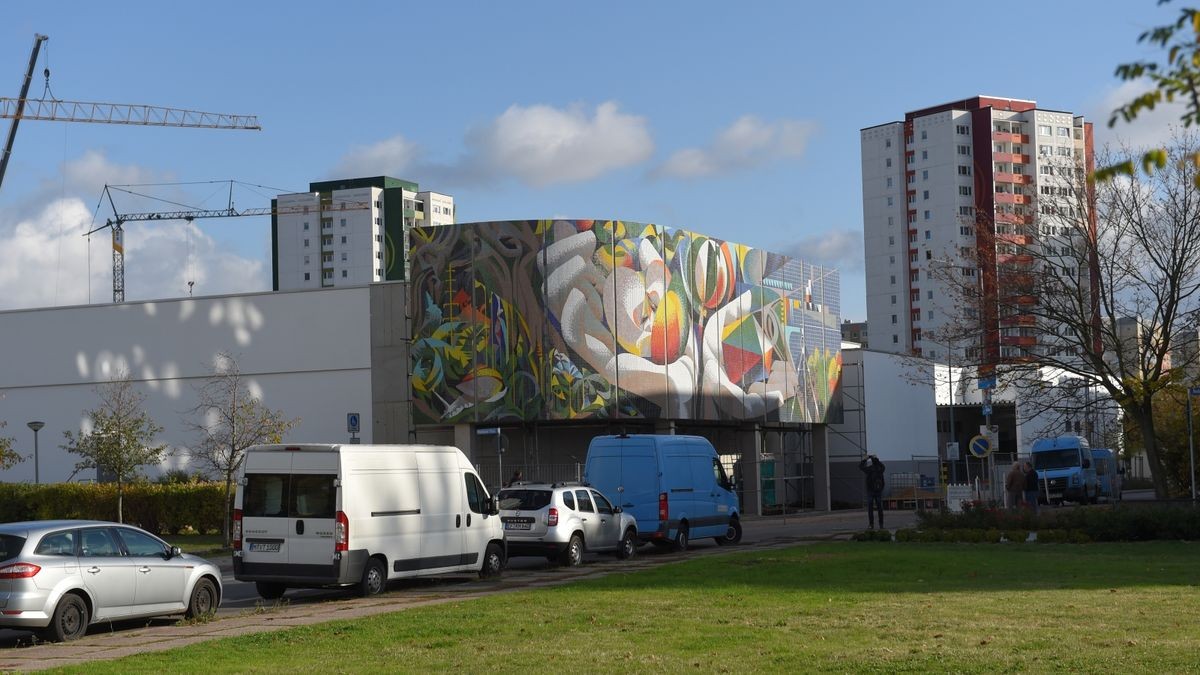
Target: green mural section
(577, 319)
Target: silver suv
(562, 520)
(59, 576)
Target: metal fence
(495, 475)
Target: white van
(340, 515)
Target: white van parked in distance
(315, 515)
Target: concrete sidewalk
(760, 533)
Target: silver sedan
(59, 576)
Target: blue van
(1065, 469)
(674, 486)
(1108, 474)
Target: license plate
(517, 526)
(264, 547)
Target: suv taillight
(237, 529)
(663, 511)
(19, 570)
(341, 532)
(552, 517)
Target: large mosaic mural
(573, 319)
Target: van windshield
(524, 500)
(1056, 459)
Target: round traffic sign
(980, 446)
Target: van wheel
(681, 537)
(573, 555)
(628, 545)
(493, 562)
(733, 533)
(374, 578)
(269, 590)
(69, 621)
(204, 600)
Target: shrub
(1016, 536)
(162, 508)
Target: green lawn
(848, 607)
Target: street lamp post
(1192, 391)
(36, 426)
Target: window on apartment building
(893, 279)
(306, 225)
(912, 178)
(893, 318)
(889, 181)
(889, 162)
(925, 194)
(893, 299)
(408, 204)
(912, 237)
(1064, 151)
(379, 255)
(966, 210)
(327, 257)
(912, 256)
(1044, 130)
(964, 190)
(912, 199)
(928, 254)
(887, 143)
(928, 295)
(343, 274)
(924, 174)
(327, 240)
(379, 271)
(343, 238)
(343, 256)
(326, 274)
(379, 221)
(379, 237)
(964, 170)
(892, 261)
(378, 204)
(910, 159)
(1046, 150)
(964, 150)
(327, 224)
(343, 222)
(1064, 131)
(924, 154)
(923, 135)
(891, 221)
(912, 218)
(891, 241)
(895, 339)
(908, 139)
(306, 260)
(889, 201)
(966, 230)
(305, 243)
(928, 214)
(928, 234)
(306, 276)
(1046, 170)
(962, 129)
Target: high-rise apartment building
(949, 201)
(350, 232)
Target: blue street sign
(987, 382)
(352, 423)
(987, 410)
(1194, 391)
(980, 446)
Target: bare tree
(8, 457)
(119, 441)
(1091, 292)
(230, 417)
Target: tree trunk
(1144, 416)
(120, 501)
(225, 522)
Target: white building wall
(898, 410)
(308, 353)
(884, 236)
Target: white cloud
(47, 258)
(839, 249)
(747, 143)
(539, 145)
(1150, 129)
(389, 157)
(542, 145)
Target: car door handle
(144, 570)
(299, 527)
(93, 570)
(583, 519)
(458, 520)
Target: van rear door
(265, 511)
(311, 512)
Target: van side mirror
(493, 505)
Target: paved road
(242, 611)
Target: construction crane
(53, 110)
(117, 222)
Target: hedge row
(1141, 522)
(157, 507)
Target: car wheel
(493, 562)
(681, 537)
(573, 555)
(269, 590)
(628, 545)
(69, 621)
(733, 533)
(203, 601)
(374, 578)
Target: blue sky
(735, 120)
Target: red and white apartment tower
(951, 191)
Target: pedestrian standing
(873, 468)
(1014, 486)
(1031, 487)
